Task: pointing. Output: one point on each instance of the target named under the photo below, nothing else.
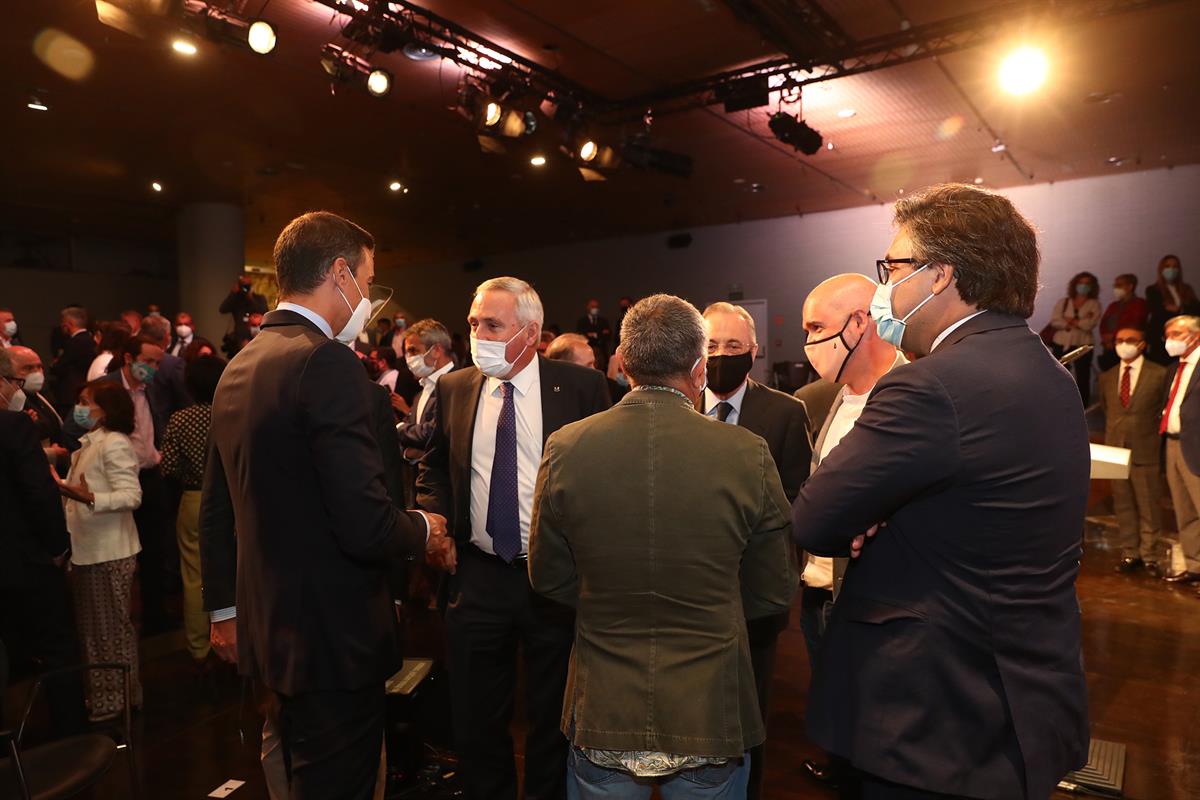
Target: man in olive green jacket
(664, 550)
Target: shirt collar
(1136, 364)
(308, 314)
(125, 383)
(1192, 357)
(432, 378)
(524, 381)
(941, 336)
(711, 400)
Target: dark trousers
(764, 636)
(151, 520)
(37, 625)
(864, 786)
(492, 610)
(331, 742)
(814, 614)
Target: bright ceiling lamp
(379, 82)
(184, 47)
(1024, 70)
(261, 37)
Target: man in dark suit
(1132, 396)
(662, 568)
(492, 423)
(733, 397)
(1181, 424)
(8, 329)
(952, 662)
(183, 334)
(35, 606)
(293, 450)
(27, 365)
(168, 387)
(426, 350)
(597, 331)
(69, 370)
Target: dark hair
(387, 355)
(201, 377)
(662, 336)
(993, 249)
(308, 246)
(114, 335)
(115, 402)
(192, 351)
(1128, 277)
(1084, 276)
(133, 347)
(1186, 293)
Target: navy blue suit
(952, 662)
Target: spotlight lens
(1024, 71)
(261, 37)
(379, 82)
(538, 161)
(491, 114)
(588, 150)
(395, 186)
(847, 113)
(156, 186)
(183, 46)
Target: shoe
(1183, 577)
(821, 773)
(1153, 569)
(1128, 564)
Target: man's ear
(944, 276)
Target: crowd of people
(619, 512)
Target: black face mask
(849, 350)
(726, 373)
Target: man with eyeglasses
(951, 665)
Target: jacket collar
(985, 322)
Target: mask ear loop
(849, 350)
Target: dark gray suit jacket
(1135, 427)
(952, 661)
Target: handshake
(440, 552)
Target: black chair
(65, 767)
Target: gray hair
(661, 338)
(156, 328)
(1192, 323)
(721, 307)
(430, 332)
(77, 315)
(529, 305)
(6, 363)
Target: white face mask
(489, 356)
(418, 367)
(1176, 347)
(1127, 351)
(17, 401)
(183, 331)
(10, 328)
(359, 315)
(1119, 293)
(34, 381)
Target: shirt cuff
(425, 517)
(223, 614)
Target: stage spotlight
(184, 47)
(794, 131)
(588, 151)
(261, 37)
(491, 114)
(379, 82)
(1023, 71)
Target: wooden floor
(1142, 651)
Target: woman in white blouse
(1074, 322)
(102, 490)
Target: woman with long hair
(1168, 297)
(1074, 322)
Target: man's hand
(223, 636)
(400, 404)
(440, 551)
(33, 415)
(856, 546)
(54, 452)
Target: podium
(1110, 463)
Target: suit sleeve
(433, 477)
(417, 433)
(551, 564)
(121, 467)
(43, 503)
(905, 442)
(345, 454)
(218, 536)
(599, 398)
(797, 451)
(769, 575)
(389, 448)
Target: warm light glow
(847, 113)
(183, 46)
(1024, 70)
(37, 105)
(156, 186)
(64, 54)
(538, 161)
(978, 181)
(395, 186)
(491, 114)
(379, 82)
(261, 37)
(588, 150)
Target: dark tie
(504, 513)
(1125, 387)
(724, 409)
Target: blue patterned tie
(504, 514)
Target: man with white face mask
(1181, 424)
(293, 453)
(427, 353)
(8, 329)
(27, 364)
(480, 471)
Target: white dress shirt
(181, 345)
(1187, 364)
(942, 336)
(143, 427)
(105, 531)
(1135, 369)
(428, 386)
(388, 379)
(99, 365)
(711, 401)
(527, 399)
(308, 314)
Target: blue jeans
(586, 781)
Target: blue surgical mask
(1083, 288)
(890, 329)
(1170, 273)
(623, 380)
(83, 417)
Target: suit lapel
(820, 443)
(556, 410)
(749, 402)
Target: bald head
(838, 297)
(842, 344)
(24, 361)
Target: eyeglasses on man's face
(884, 267)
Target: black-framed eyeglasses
(883, 266)
(18, 382)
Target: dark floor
(1141, 643)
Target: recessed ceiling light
(829, 145)
(156, 186)
(1024, 70)
(395, 186)
(999, 147)
(261, 37)
(183, 46)
(1116, 161)
(538, 161)
(846, 113)
(379, 82)
(37, 105)
(978, 181)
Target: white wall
(1107, 225)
